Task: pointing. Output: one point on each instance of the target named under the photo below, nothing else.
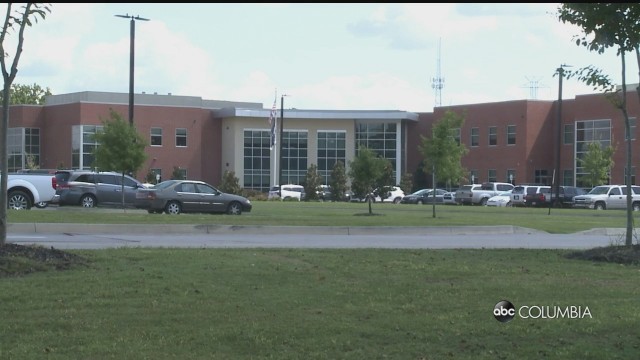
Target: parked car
(90, 189)
(503, 199)
(608, 197)
(537, 197)
(545, 196)
(189, 196)
(289, 191)
(449, 198)
(519, 193)
(324, 193)
(424, 196)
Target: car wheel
(18, 200)
(483, 202)
(599, 206)
(88, 201)
(234, 208)
(173, 208)
(420, 202)
(396, 200)
(635, 206)
(41, 204)
(509, 204)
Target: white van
(289, 191)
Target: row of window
(156, 137)
(493, 136)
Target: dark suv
(546, 195)
(90, 189)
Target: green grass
(318, 304)
(560, 221)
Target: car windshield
(164, 184)
(599, 190)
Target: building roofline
(229, 112)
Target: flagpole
(275, 131)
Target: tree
(365, 171)
(338, 181)
(230, 183)
(386, 181)
(604, 26)
(443, 152)
(19, 20)
(406, 183)
(312, 182)
(27, 94)
(597, 163)
(121, 148)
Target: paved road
(70, 236)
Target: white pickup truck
(479, 194)
(608, 197)
(27, 189)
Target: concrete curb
(58, 228)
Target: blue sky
(373, 56)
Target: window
(568, 134)
(542, 177)
(633, 175)
(257, 155)
(511, 176)
(294, 156)
(181, 137)
(632, 126)
(473, 176)
(493, 136)
(567, 178)
(586, 132)
(381, 138)
(331, 149)
(475, 136)
(23, 148)
(491, 175)
(511, 134)
(456, 135)
(156, 136)
(83, 145)
(157, 176)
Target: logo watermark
(504, 311)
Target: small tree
(604, 26)
(230, 183)
(443, 152)
(121, 148)
(597, 164)
(338, 181)
(406, 183)
(385, 183)
(13, 20)
(365, 171)
(312, 182)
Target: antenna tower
(437, 83)
(534, 85)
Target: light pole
(556, 178)
(131, 59)
(281, 141)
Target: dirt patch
(16, 260)
(619, 254)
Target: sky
(323, 56)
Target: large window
(473, 177)
(475, 136)
(632, 126)
(586, 132)
(294, 157)
(568, 134)
(181, 137)
(83, 145)
(381, 138)
(511, 176)
(257, 155)
(541, 176)
(331, 149)
(23, 148)
(511, 134)
(156, 136)
(493, 136)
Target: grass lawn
(319, 304)
(141, 303)
(559, 221)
